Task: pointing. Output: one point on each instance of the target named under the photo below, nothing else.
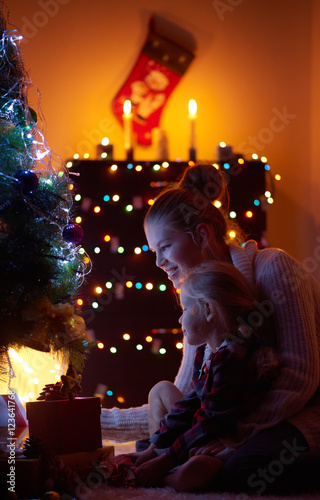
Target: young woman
(232, 370)
(184, 228)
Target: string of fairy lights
(111, 243)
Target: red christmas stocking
(156, 73)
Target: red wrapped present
(66, 426)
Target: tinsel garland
(40, 272)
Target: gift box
(66, 426)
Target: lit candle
(192, 118)
(127, 127)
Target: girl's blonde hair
(221, 285)
(194, 200)
(232, 299)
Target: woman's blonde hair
(194, 200)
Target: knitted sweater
(289, 306)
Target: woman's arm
(121, 425)
(292, 300)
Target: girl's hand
(212, 448)
(140, 457)
(151, 472)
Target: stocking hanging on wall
(158, 70)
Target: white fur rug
(111, 493)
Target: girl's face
(175, 250)
(193, 321)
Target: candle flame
(192, 107)
(127, 107)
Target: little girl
(232, 370)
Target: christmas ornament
(73, 233)
(28, 181)
(156, 73)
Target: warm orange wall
(254, 60)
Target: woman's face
(175, 250)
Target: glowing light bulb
(179, 345)
(232, 234)
(165, 164)
(138, 285)
(109, 284)
(78, 219)
(217, 203)
(97, 250)
(95, 305)
(116, 197)
(149, 338)
(267, 194)
(233, 214)
(264, 159)
(222, 144)
(120, 399)
(69, 164)
(107, 237)
(77, 197)
(80, 302)
(162, 287)
(97, 209)
(270, 200)
(98, 289)
(129, 208)
(129, 284)
(120, 249)
(137, 250)
(150, 201)
(215, 165)
(105, 141)
(149, 286)
(156, 167)
(76, 156)
(162, 350)
(114, 168)
(139, 347)
(277, 177)
(86, 156)
(138, 168)
(241, 161)
(126, 336)
(255, 156)
(249, 214)
(113, 349)
(100, 345)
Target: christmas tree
(41, 267)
